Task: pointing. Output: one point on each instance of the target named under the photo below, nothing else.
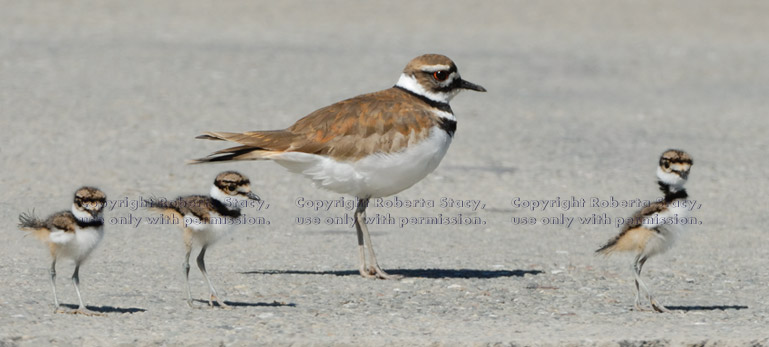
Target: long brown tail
(33, 225)
(249, 150)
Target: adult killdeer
(653, 229)
(70, 234)
(369, 146)
(205, 219)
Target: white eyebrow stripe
(433, 68)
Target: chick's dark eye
(667, 164)
(441, 75)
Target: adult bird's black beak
(472, 86)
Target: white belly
(668, 231)
(79, 245)
(208, 233)
(374, 176)
(662, 241)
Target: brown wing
(633, 235)
(385, 121)
(63, 221)
(196, 205)
(637, 219)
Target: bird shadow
(707, 308)
(107, 309)
(248, 304)
(423, 273)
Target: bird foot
(367, 273)
(658, 307)
(640, 308)
(376, 271)
(218, 302)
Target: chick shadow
(246, 304)
(107, 309)
(411, 273)
(707, 308)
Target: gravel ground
(583, 97)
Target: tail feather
(208, 137)
(608, 248)
(33, 225)
(231, 154)
(254, 145)
(167, 209)
(272, 139)
(154, 203)
(168, 212)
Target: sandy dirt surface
(582, 98)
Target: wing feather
(634, 234)
(385, 121)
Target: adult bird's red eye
(441, 75)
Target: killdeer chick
(373, 145)
(205, 219)
(653, 230)
(70, 234)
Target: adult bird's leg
(360, 210)
(360, 219)
(202, 267)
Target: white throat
(411, 84)
(231, 202)
(81, 215)
(675, 182)
(219, 195)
